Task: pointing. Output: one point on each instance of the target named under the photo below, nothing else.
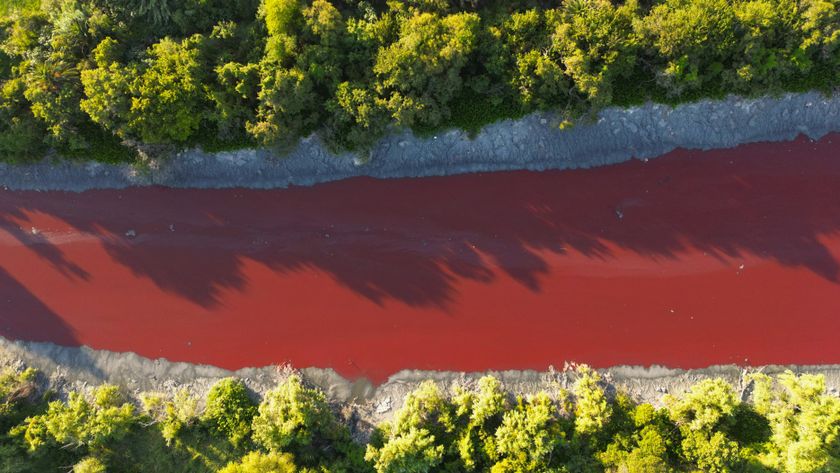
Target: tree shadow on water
(414, 240)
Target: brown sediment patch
(690, 260)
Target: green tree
(417, 435)
(419, 74)
(81, 422)
(483, 411)
(230, 410)
(107, 89)
(412, 451)
(530, 437)
(704, 415)
(21, 134)
(690, 42)
(173, 414)
(296, 419)
(769, 51)
(518, 53)
(805, 422)
(592, 411)
(90, 465)
(598, 45)
(168, 102)
(259, 462)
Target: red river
(692, 259)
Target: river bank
(534, 142)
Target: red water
(688, 260)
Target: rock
(384, 405)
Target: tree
(21, 134)
(821, 31)
(259, 462)
(805, 422)
(592, 411)
(230, 410)
(167, 97)
(89, 465)
(171, 414)
(107, 89)
(598, 45)
(484, 411)
(419, 74)
(529, 438)
(519, 53)
(704, 416)
(412, 451)
(159, 101)
(81, 422)
(769, 51)
(690, 43)
(288, 106)
(295, 419)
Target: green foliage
(15, 387)
(89, 465)
(295, 419)
(167, 95)
(790, 425)
(690, 41)
(805, 422)
(173, 415)
(420, 73)
(704, 415)
(230, 410)
(81, 421)
(156, 101)
(259, 462)
(598, 45)
(82, 76)
(592, 411)
(530, 436)
(412, 451)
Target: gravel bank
(70, 368)
(534, 142)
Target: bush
(230, 410)
(259, 462)
(790, 424)
(295, 419)
(231, 73)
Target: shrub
(230, 410)
(259, 462)
(295, 419)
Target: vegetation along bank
(782, 423)
(86, 77)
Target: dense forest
(88, 77)
(784, 424)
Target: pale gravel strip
(534, 142)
